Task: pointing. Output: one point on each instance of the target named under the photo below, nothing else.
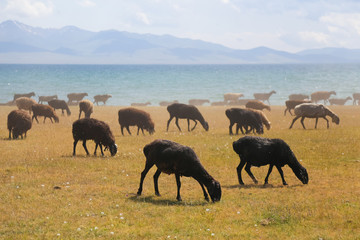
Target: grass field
(98, 198)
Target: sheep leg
(142, 130)
(281, 174)
(188, 122)
(96, 146)
(285, 111)
(148, 165)
(302, 122)
(194, 125)
(296, 118)
(177, 123)
(9, 134)
(80, 114)
(122, 130)
(127, 128)
(156, 178)
(230, 128)
(167, 127)
(62, 112)
(178, 183)
(138, 131)
(75, 142)
(247, 169)
(84, 145)
(101, 149)
(316, 121)
(204, 191)
(34, 116)
(268, 174)
(238, 169)
(327, 122)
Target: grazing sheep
(60, 104)
(244, 118)
(18, 122)
(321, 95)
(28, 95)
(356, 97)
(190, 112)
(93, 129)
(298, 96)
(75, 97)
(166, 103)
(258, 151)
(87, 107)
(291, 104)
(135, 117)
(174, 158)
(47, 98)
(339, 101)
(198, 102)
(219, 103)
(25, 103)
(232, 96)
(255, 104)
(101, 98)
(312, 110)
(140, 104)
(44, 110)
(263, 96)
(263, 118)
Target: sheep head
(302, 175)
(56, 118)
(335, 119)
(206, 126)
(214, 190)
(112, 149)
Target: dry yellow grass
(97, 196)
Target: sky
(288, 25)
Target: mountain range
(21, 43)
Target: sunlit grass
(97, 195)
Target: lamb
(339, 101)
(44, 110)
(47, 98)
(356, 97)
(298, 97)
(174, 158)
(321, 95)
(255, 104)
(18, 122)
(198, 102)
(87, 107)
(60, 104)
(190, 112)
(258, 151)
(312, 110)
(25, 103)
(140, 104)
(93, 129)
(75, 97)
(232, 96)
(264, 96)
(291, 104)
(101, 98)
(28, 95)
(166, 103)
(135, 117)
(244, 118)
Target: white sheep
(356, 97)
(263, 96)
(25, 103)
(232, 96)
(339, 101)
(321, 95)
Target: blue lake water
(155, 83)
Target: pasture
(46, 193)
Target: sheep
(263, 118)
(44, 110)
(60, 104)
(298, 96)
(244, 118)
(174, 158)
(232, 96)
(28, 95)
(219, 103)
(312, 110)
(339, 101)
(190, 112)
(166, 103)
(198, 102)
(87, 107)
(240, 102)
(255, 104)
(135, 117)
(291, 104)
(101, 98)
(18, 122)
(356, 97)
(258, 151)
(25, 103)
(75, 97)
(140, 104)
(264, 96)
(321, 95)
(47, 98)
(93, 129)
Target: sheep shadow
(263, 186)
(165, 202)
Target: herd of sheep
(174, 158)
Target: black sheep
(184, 111)
(90, 128)
(135, 117)
(171, 157)
(244, 118)
(60, 104)
(258, 151)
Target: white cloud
(143, 18)
(348, 21)
(28, 8)
(87, 3)
(317, 37)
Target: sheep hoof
(158, 194)
(284, 183)
(179, 199)
(207, 199)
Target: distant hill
(20, 43)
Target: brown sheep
(140, 104)
(75, 97)
(298, 97)
(28, 95)
(47, 98)
(321, 95)
(255, 104)
(101, 98)
(244, 118)
(339, 101)
(198, 102)
(87, 107)
(135, 117)
(18, 122)
(44, 110)
(25, 103)
(60, 104)
(263, 96)
(356, 97)
(291, 104)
